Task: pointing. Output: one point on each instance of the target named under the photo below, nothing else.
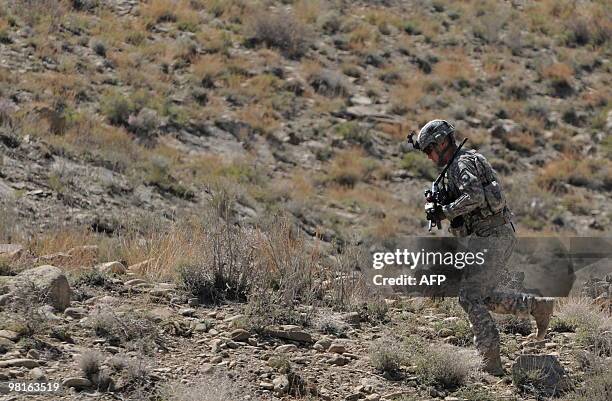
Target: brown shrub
(350, 167)
(280, 30)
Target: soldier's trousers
(478, 293)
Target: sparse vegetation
(446, 365)
(387, 356)
(282, 31)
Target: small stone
(111, 268)
(281, 384)
(353, 397)
(187, 312)
(322, 345)
(26, 363)
(75, 313)
(290, 332)
(6, 345)
(37, 374)
(352, 317)
(373, 397)
(9, 335)
(286, 348)
(135, 281)
(337, 348)
(240, 335)
(266, 386)
(338, 360)
(33, 354)
(216, 359)
(217, 344)
(76, 382)
(207, 368)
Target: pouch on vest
(494, 197)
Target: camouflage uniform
(484, 227)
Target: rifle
(435, 196)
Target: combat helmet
(434, 132)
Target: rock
(161, 292)
(217, 344)
(135, 281)
(216, 359)
(352, 317)
(161, 313)
(9, 335)
(353, 397)
(281, 384)
(78, 383)
(5, 298)
(6, 345)
(550, 375)
(290, 332)
(266, 386)
(322, 345)
(338, 360)
(286, 348)
(337, 348)
(51, 281)
(187, 312)
(111, 268)
(37, 374)
(25, 363)
(240, 335)
(75, 313)
(207, 368)
(33, 354)
(360, 100)
(373, 397)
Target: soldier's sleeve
(470, 189)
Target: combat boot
(492, 362)
(542, 310)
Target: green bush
(418, 163)
(116, 107)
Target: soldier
(477, 210)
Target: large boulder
(51, 282)
(543, 372)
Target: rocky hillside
(207, 176)
(113, 108)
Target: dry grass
(454, 67)
(350, 167)
(558, 72)
(590, 173)
(307, 11)
(362, 37)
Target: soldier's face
(433, 153)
